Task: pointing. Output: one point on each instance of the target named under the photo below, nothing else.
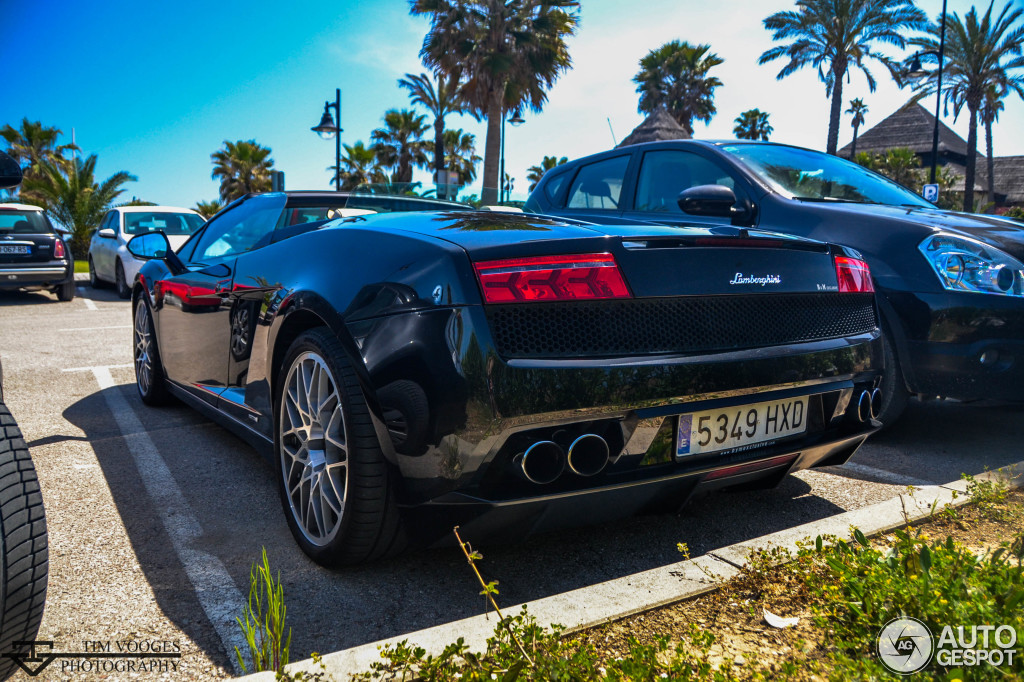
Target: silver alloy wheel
(314, 448)
(143, 348)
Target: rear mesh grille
(690, 324)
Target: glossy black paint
(940, 336)
(400, 294)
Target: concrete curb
(622, 597)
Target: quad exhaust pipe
(869, 405)
(545, 460)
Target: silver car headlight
(964, 264)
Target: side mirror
(107, 233)
(156, 246)
(10, 171)
(717, 201)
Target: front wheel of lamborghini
(336, 488)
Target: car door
(105, 247)
(195, 307)
(662, 175)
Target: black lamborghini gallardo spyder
(509, 373)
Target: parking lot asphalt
(156, 515)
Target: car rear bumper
(961, 345)
(39, 275)
(666, 491)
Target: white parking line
(88, 301)
(89, 329)
(93, 369)
(883, 475)
(220, 598)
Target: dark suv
(950, 285)
(33, 254)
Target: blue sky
(155, 88)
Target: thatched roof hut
(912, 126)
(659, 125)
(1009, 174)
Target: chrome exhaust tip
(542, 462)
(876, 403)
(864, 407)
(588, 455)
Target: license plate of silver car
(741, 427)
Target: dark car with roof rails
(950, 285)
(508, 373)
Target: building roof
(910, 126)
(659, 125)
(1009, 177)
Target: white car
(109, 260)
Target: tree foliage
(71, 195)
(242, 167)
(33, 143)
(359, 167)
(439, 100)
(857, 109)
(981, 52)
(208, 209)
(505, 53)
(833, 36)
(675, 76)
(399, 145)
(752, 125)
(460, 155)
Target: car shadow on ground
(233, 495)
(17, 297)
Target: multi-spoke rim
(240, 332)
(314, 448)
(143, 349)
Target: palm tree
(208, 209)
(990, 109)
(675, 76)
(461, 158)
(858, 109)
(752, 125)
(439, 101)
(979, 54)
(835, 35)
(505, 54)
(359, 167)
(535, 173)
(74, 198)
(242, 167)
(901, 165)
(34, 143)
(399, 145)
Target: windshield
(169, 223)
(23, 222)
(812, 176)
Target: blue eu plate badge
(683, 439)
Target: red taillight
(551, 278)
(854, 275)
(58, 249)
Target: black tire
(94, 280)
(894, 388)
(368, 526)
(66, 291)
(152, 389)
(24, 564)
(406, 414)
(123, 290)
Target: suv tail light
(551, 278)
(58, 248)
(854, 275)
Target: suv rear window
(24, 222)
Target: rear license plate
(14, 249)
(741, 427)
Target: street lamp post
(917, 71)
(516, 120)
(327, 129)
